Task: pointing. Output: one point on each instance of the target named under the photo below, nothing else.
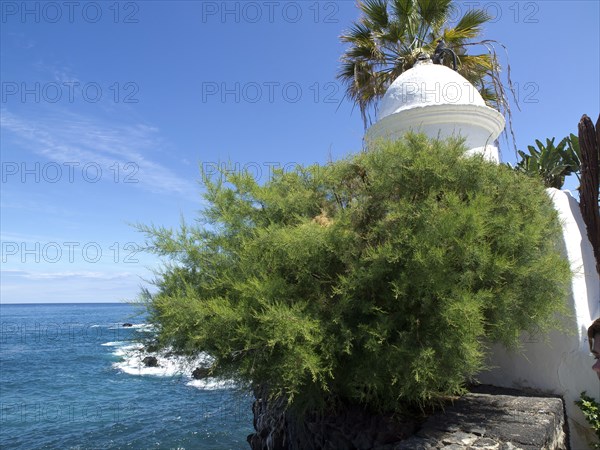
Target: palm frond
(470, 25)
(433, 12)
(363, 85)
(358, 32)
(375, 14)
(402, 11)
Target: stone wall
(483, 420)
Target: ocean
(72, 377)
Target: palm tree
(391, 34)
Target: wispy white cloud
(60, 73)
(69, 138)
(29, 275)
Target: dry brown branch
(589, 140)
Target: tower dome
(436, 100)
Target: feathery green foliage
(379, 279)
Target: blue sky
(110, 109)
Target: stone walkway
(493, 422)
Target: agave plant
(391, 34)
(551, 162)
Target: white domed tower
(438, 101)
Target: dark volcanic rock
(349, 427)
(127, 324)
(200, 372)
(150, 361)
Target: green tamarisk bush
(379, 279)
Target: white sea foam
(132, 356)
(136, 367)
(133, 363)
(144, 327)
(113, 344)
(211, 384)
(127, 351)
(141, 327)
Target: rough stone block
(494, 422)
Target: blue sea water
(69, 379)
